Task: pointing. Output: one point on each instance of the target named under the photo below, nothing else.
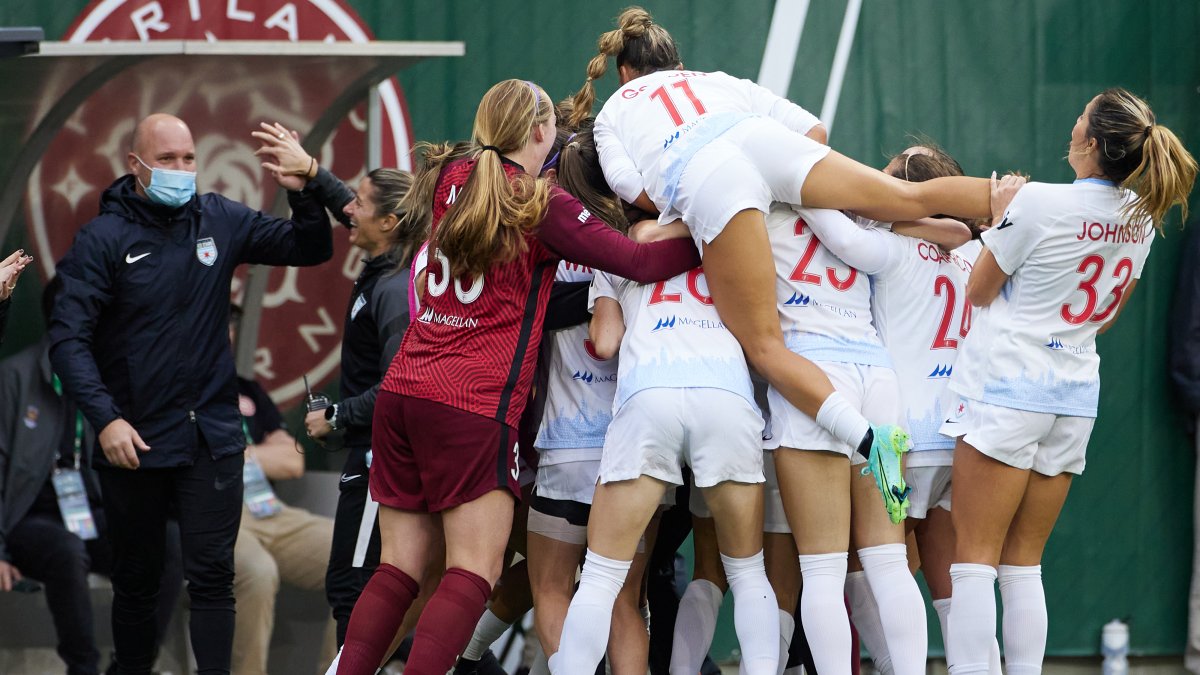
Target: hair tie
(553, 161)
(485, 148)
(537, 98)
(1146, 133)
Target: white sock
(589, 618)
(787, 628)
(823, 611)
(694, 626)
(755, 613)
(332, 670)
(842, 420)
(942, 607)
(488, 630)
(865, 615)
(901, 607)
(972, 620)
(1025, 620)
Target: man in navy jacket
(139, 338)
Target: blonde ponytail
(493, 213)
(1164, 177)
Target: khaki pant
(291, 546)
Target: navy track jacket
(140, 329)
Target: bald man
(140, 340)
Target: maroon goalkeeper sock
(376, 618)
(447, 623)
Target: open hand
(10, 270)
(1003, 191)
(283, 156)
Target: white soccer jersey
(580, 391)
(1071, 256)
(922, 314)
(673, 337)
(824, 304)
(649, 128)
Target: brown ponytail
(488, 221)
(579, 173)
(1141, 155)
(638, 43)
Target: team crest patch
(31, 417)
(206, 251)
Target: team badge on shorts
(206, 251)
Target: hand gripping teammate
(718, 151)
(1054, 272)
(444, 433)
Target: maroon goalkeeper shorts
(427, 456)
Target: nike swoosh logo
(130, 259)
(221, 486)
(347, 479)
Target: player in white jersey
(1055, 271)
(825, 309)
(683, 396)
(719, 151)
(920, 309)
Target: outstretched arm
(593, 243)
(945, 232)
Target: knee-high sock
(823, 611)
(694, 626)
(901, 607)
(375, 620)
(589, 618)
(865, 615)
(1025, 620)
(972, 621)
(942, 607)
(487, 631)
(447, 622)
(755, 613)
(787, 627)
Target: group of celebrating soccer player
(856, 342)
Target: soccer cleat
(889, 443)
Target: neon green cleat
(888, 446)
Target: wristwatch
(331, 416)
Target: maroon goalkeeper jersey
(474, 343)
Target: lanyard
(246, 431)
(58, 389)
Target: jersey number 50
(438, 287)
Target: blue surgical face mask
(168, 187)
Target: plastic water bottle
(1114, 644)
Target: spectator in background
(388, 230)
(1185, 373)
(10, 270)
(275, 542)
(140, 339)
(44, 438)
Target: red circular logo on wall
(301, 327)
